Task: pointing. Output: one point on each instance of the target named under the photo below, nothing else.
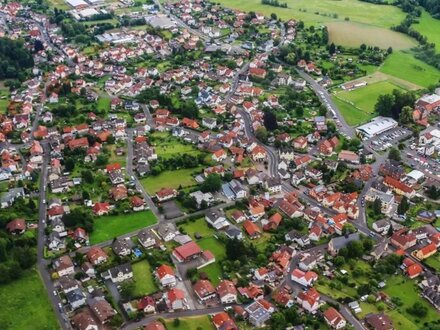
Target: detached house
(165, 275)
(304, 278)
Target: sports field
(357, 106)
(403, 65)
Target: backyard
(111, 226)
(190, 323)
(26, 294)
(143, 279)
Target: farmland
(357, 106)
(355, 34)
(362, 16)
(26, 294)
(108, 227)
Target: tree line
(274, 3)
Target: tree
(377, 206)
(394, 154)
(355, 249)
(278, 321)
(348, 228)
(433, 192)
(69, 164)
(384, 104)
(403, 206)
(176, 322)
(339, 261)
(270, 121)
(332, 49)
(418, 309)
(127, 290)
(32, 206)
(212, 183)
(406, 115)
(261, 134)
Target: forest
(14, 59)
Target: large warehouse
(376, 126)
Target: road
(41, 262)
(325, 97)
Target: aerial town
(190, 165)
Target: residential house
(166, 276)
(304, 278)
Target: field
(361, 15)
(143, 277)
(4, 98)
(355, 34)
(153, 184)
(25, 305)
(111, 226)
(191, 323)
(59, 4)
(168, 147)
(357, 106)
(430, 28)
(404, 66)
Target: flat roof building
(376, 126)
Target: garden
(144, 283)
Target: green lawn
(170, 179)
(430, 28)
(407, 291)
(434, 262)
(357, 106)
(111, 226)
(25, 304)
(191, 323)
(4, 98)
(104, 103)
(404, 66)
(167, 146)
(199, 226)
(143, 277)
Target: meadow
(111, 226)
(429, 27)
(167, 179)
(25, 304)
(403, 65)
(191, 323)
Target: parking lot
(389, 138)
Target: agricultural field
(357, 106)
(153, 184)
(143, 279)
(404, 66)
(111, 226)
(430, 28)
(354, 34)
(26, 294)
(190, 323)
(362, 17)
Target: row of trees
(274, 3)
(391, 105)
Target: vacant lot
(170, 179)
(357, 106)
(25, 305)
(199, 226)
(355, 34)
(191, 323)
(143, 278)
(404, 66)
(167, 146)
(429, 27)
(109, 227)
